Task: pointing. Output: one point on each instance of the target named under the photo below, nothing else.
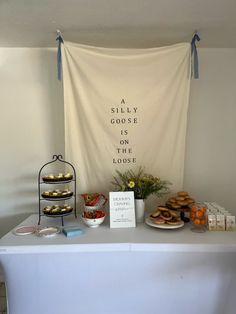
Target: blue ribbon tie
(59, 59)
(195, 72)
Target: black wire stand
(56, 158)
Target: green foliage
(141, 183)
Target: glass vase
(139, 210)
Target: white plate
(25, 230)
(49, 232)
(164, 226)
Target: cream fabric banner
(125, 108)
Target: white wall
(210, 172)
(31, 128)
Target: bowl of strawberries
(93, 219)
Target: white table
(120, 271)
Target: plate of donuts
(150, 223)
(164, 218)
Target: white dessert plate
(25, 230)
(164, 226)
(48, 232)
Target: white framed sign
(122, 209)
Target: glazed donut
(176, 206)
(166, 215)
(158, 221)
(162, 208)
(156, 213)
(182, 203)
(180, 198)
(174, 213)
(190, 200)
(182, 193)
(174, 221)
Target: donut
(158, 221)
(162, 208)
(180, 198)
(166, 215)
(172, 200)
(182, 193)
(176, 206)
(190, 200)
(156, 213)
(182, 203)
(174, 221)
(174, 213)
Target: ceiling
(117, 23)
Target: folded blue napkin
(72, 231)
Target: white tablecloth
(120, 271)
